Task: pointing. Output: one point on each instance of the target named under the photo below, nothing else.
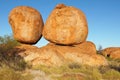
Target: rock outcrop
(112, 52)
(66, 25)
(26, 23)
(57, 55)
(66, 29)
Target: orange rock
(87, 47)
(66, 25)
(115, 54)
(112, 52)
(26, 23)
(57, 55)
(26, 47)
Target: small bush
(7, 43)
(8, 55)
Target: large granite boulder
(112, 52)
(57, 55)
(66, 25)
(26, 23)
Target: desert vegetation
(8, 56)
(74, 71)
(13, 67)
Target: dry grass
(7, 73)
(75, 71)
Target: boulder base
(57, 55)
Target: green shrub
(7, 43)
(8, 55)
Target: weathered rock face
(112, 52)
(26, 23)
(87, 48)
(66, 25)
(57, 55)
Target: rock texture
(66, 25)
(26, 23)
(112, 52)
(66, 28)
(57, 55)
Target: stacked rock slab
(26, 23)
(66, 25)
(57, 55)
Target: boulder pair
(66, 25)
